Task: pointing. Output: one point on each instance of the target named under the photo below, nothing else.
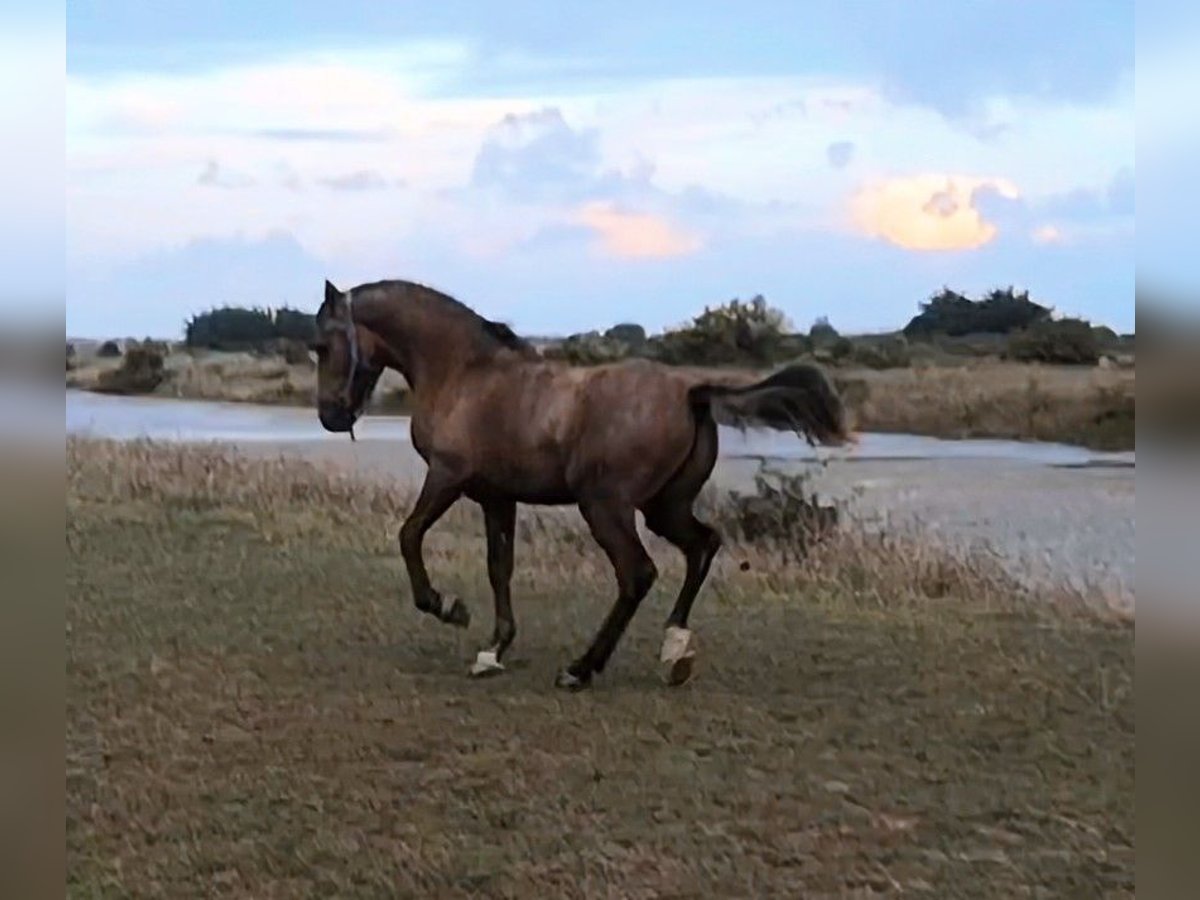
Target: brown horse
(499, 425)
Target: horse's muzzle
(337, 419)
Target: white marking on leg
(677, 644)
(678, 655)
(486, 661)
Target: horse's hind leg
(613, 525)
(500, 521)
(673, 520)
(670, 516)
(698, 542)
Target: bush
(631, 335)
(748, 333)
(781, 512)
(1066, 341)
(1000, 311)
(141, 371)
(589, 349)
(889, 353)
(109, 350)
(295, 353)
(822, 333)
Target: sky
(568, 166)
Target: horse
(498, 424)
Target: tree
(735, 332)
(1000, 311)
(628, 333)
(238, 328)
(821, 332)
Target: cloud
(362, 180)
(645, 165)
(213, 175)
(538, 156)
(840, 153)
(967, 54)
(929, 212)
(630, 235)
(1047, 234)
(1091, 205)
(330, 135)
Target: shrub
(631, 335)
(835, 353)
(889, 353)
(749, 333)
(589, 349)
(822, 333)
(295, 353)
(109, 350)
(1000, 311)
(141, 371)
(781, 512)
(1067, 341)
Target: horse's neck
(425, 349)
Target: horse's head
(347, 362)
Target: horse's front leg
(500, 522)
(438, 494)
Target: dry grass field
(255, 709)
(1091, 407)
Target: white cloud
(929, 212)
(631, 235)
(137, 144)
(1047, 234)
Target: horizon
(240, 156)
(796, 328)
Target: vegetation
(236, 328)
(737, 333)
(254, 708)
(1066, 341)
(1001, 311)
(782, 512)
(141, 371)
(734, 333)
(1089, 407)
(958, 382)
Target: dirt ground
(255, 709)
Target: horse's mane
(497, 331)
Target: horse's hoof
(486, 663)
(569, 681)
(678, 655)
(457, 615)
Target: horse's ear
(331, 293)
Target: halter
(355, 359)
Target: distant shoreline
(1090, 407)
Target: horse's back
(622, 427)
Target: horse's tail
(798, 398)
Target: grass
(255, 709)
(1091, 407)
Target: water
(126, 418)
